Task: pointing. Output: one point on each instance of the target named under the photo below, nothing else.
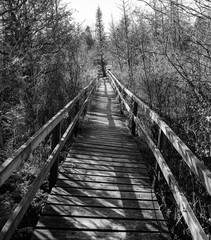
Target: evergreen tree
(100, 36)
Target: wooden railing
(196, 166)
(53, 126)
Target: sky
(86, 10)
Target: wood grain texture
(103, 189)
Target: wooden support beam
(135, 111)
(85, 97)
(77, 106)
(56, 135)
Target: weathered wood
(141, 181)
(106, 147)
(106, 194)
(135, 111)
(56, 135)
(93, 223)
(107, 154)
(129, 147)
(125, 187)
(119, 164)
(77, 107)
(105, 168)
(109, 212)
(161, 145)
(104, 158)
(100, 201)
(85, 97)
(161, 141)
(143, 177)
(105, 184)
(107, 150)
(43, 234)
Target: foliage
(100, 42)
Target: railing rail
(52, 126)
(196, 166)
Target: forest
(162, 54)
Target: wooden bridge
(102, 189)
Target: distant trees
(40, 65)
(100, 41)
(167, 54)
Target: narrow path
(103, 191)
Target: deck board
(103, 189)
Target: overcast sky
(86, 10)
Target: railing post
(77, 106)
(85, 97)
(161, 141)
(120, 101)
(135, 111)
(161, 145)
(56, 135)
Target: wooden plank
(142, 182)
(105, 151)
(106, 167)
(106, 154)
(92, 223)
(105, 212)
(86, 168)
(106, 147)
(102, 186)
(104, 202)
(114, 139)
(120, 164)
(95, 193)
(52, 234)
(86, 172)
(92, 142)
(83, 155)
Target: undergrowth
(195, 193)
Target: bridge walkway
(103, 190)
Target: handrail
(31, 144)
(192, 161)
(195, 165)
(12, 163)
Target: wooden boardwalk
(103, 191)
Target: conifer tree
(100, 37)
